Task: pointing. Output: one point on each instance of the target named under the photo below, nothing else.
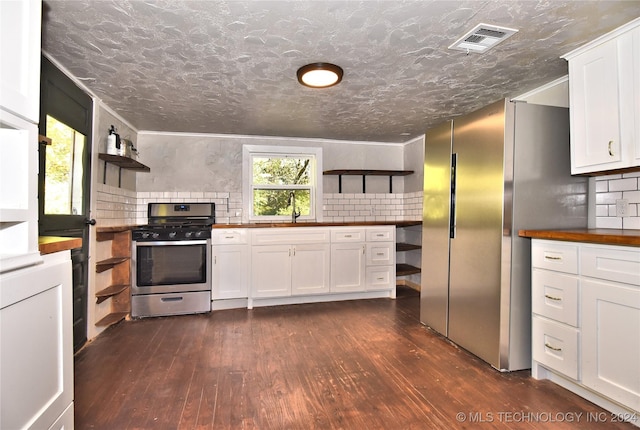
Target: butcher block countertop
(115, 229)
(318, 224)
(598, 235)
(51, 244)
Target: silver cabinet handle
(549, 257)
(347, 235)
(552, 348)
(558, 299)
(228, 237)
(362, 249)
(610, 148)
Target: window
(279, 179)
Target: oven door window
(171, 264)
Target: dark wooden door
(64, 177)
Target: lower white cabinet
(36, 346)
(290, 261)
(356, 262)
(611, 340)
(347, 267)
(586, 321)
(230, 264)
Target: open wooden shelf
(406, 269)
(107, 264)
(366, 172)
(110, 291)
(406, 247)
(112, 318)
(124, 162)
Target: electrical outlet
(622, 207)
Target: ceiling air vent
(482, 38)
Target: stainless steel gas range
(171, 261)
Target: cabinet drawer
(611, 263)
(556, 256)
(380, 254)
(381, 234)
(555, 345)
(341, 235)
(289, 236)
(229, 236)
(555, 296)
(380, 277)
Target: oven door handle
(172, 243)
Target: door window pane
(63, 170)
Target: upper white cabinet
(19, 111)
(604, 89)
(20, 65)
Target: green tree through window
(277, 180)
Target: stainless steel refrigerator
(486, 175)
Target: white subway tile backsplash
(623, 184)
(611, 188)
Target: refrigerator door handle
(452, 209)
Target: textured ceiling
(230, 66)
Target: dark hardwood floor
(364, 364)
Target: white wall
(207, 162)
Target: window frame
(251, 151)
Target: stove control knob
(155, 235)
(145, 235)
(198, 233)
(188, 234)
(172, 234)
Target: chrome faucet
(292, 202)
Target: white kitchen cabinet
(36, 345)
(19, 111)
(230, 264)
(604, 87)
(20, 65)
(611, 340)
(290, 261)
(271, 271)
(554, 302)
(380, 273)
(348, 247)
(610, 324)
(586, 321)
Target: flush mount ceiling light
(319, 75)
(482, 38)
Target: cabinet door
(36, 344)
(271, 271)
(230, 269)
(599, 139)
(611, 340)
(347, 267)
(310, 269)
(20, 65)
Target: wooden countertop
(116, 229)
(51, 244)
(598, 235)
(318, 224)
